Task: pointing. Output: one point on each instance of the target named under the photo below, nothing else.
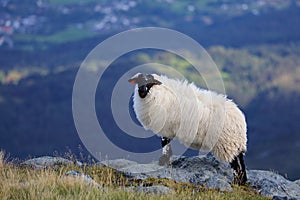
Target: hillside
(256, 47)
(60, 178)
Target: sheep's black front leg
(239, 173)
(166, 151)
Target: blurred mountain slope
(255, 45)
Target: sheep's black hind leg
(239, 170)
(166, 151)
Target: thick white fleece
(198, 118)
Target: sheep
(200, 119)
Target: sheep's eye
(149, 86)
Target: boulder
(48, 162)
(117, 163)
(206, 171)
(273, 185)
(86, 178)
(199, 170)
(155, 189)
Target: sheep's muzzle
(143, 91)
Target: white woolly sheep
(198, 118)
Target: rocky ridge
(199, 170)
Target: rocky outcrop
(199, 170)
(272, 184)
(209, 172)
(205, 171)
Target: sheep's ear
(132, 81)
(157, 82)
(153, 80)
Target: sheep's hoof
(240, 180)
(164, 160)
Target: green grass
(67, 35)
(60, 37)
(18, 182)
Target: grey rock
(273, 185)
(199, 170)
(141, 171)
(282, 198)
(117, 164)
(86, 178)
(297, 182)
(78, 163)
(206, 171)
(48, 162)
(155, 189)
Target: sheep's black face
(145, 82)
(144, 90)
